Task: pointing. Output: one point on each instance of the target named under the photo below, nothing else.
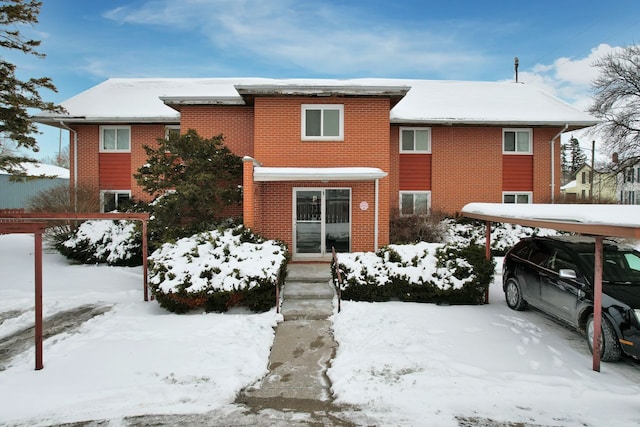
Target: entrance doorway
(321, 221)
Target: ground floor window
(628, 198)
(110, 200)
(517, 197)
(415, 202)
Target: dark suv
(555, 275)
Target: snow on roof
(616, 216)
(570, 184)
(314, 174)
(428, 101)
(37, 169)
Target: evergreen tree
(572, 158)
(197, 180)
(18, 96)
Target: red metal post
(38, 297)
(597, 303)
(144, 259)
(487, 254)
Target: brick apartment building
(327, 163)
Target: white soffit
(261, 173)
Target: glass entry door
(322, 220)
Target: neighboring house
(16, 194)
(603, 188)
(569, 191)
(628, 181)
(329, 162)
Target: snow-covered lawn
(402, 363)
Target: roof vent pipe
(516, 63)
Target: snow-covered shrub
(503, 235)
(104, 241)
(217, 270)
(423, 272)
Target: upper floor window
(415, 202)
(630, 175)
(415, 140)
(516, 141)
(322, 122)
(171, 130)
(517, 197)
(115, 138)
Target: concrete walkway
(303, 346)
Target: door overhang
(263, 174)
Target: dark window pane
(312, 122)
(509, 141)
(407, 140)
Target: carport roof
(595, 220)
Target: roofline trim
(320, 90)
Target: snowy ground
(403, 364)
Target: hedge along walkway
(302, 350)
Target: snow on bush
(503, 235)
(425, 272)
(104, 241)
(191, 271)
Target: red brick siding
(466, 166)
(517, 173)
(92, 173)
(278, 142)
(542, 164)
(275, 212)
(235, 123)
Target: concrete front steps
(302, 349)
(308, 292)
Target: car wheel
(513, 295)
(609, 348)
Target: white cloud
(334, 40)
(569, 78)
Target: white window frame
(116, 192)
(427, 193)
(169, 128)
(414, 151)
(116, 150)
(322, 107)
(516, 152)
(518, 193)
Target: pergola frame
(17, 224)
(599, 230)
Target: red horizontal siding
(115, 171)
(415, 172)
(517, 173)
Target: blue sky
(556, 42)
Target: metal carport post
(599, 230)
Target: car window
(617, 266)
(633, 261)
(540, 255)
(522, 250)
(560, 260)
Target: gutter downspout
(75, 165)
(553, 172)
(375, 219)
